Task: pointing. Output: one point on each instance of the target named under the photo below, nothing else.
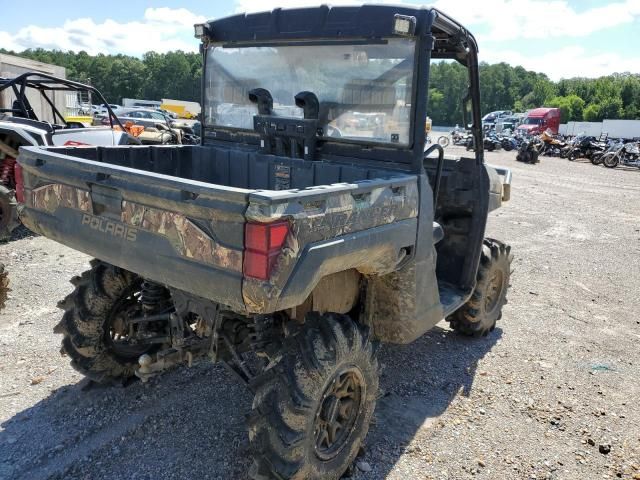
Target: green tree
(177, 75)
(571, 107)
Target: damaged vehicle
(295, 237)
(30, 115)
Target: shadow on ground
(190, 423)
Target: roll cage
(44, 83)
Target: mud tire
(4, 285)
(8, 212)
(85, 323)
(479, 315)
(291, 396)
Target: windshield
(533, 121)
(364, 90)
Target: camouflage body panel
(325, 216)
(189, 240)
(53, 196)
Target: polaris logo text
(114, 229)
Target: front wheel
(610, 160)
(312, 409)
(479, 315)
(443, 141)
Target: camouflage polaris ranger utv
(309, 225)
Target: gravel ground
(551, 393)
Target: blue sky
(561, 38)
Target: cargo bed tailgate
(182, 233)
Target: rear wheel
(479, 315)
(8, 213)
(312, 409)
(95, 323)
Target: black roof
(322, 22)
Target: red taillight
(19, 183)
(262, 245)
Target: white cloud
(539, 19)
(501, 23)
(160, 30)
(568, 62)
(177, 16)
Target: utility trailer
(296, 236)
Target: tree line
(174, 75)
(504, 87)
(177, 75)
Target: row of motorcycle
(608, 152)
(492, 140)
(603, 150)
(599, 151)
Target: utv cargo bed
(177, 215)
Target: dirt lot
(552, 393)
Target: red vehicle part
(263, 243)
(541, 119)
(7, 176)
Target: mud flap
(403, 305)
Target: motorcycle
(586, 147)
(508, 143)
(491, 142)
(460, 138)
(529, 151)
(551, 146)
(627, 154)
(596, 158)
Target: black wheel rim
(494, 291)
(117, 327)
(338, 412)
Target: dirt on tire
(84, 323)
(478, 317)
(286, 425)
(8, 216)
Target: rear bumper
(145, 253)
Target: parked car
(146, 117)
(169, 113)
(114, 108)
